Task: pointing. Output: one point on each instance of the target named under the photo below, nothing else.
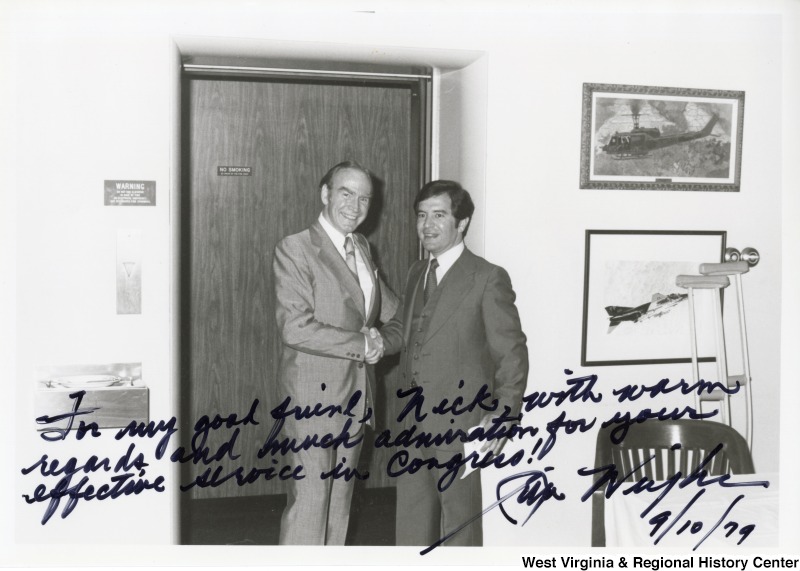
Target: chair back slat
(671, 464)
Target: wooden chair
(656, 438)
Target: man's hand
(495, 445)
(374, 346)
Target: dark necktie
(350, 256)
(430, 282)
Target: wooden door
(286, 134)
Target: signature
(534, 491)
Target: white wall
(533, 151)
(96, 113)
(461, 127)
(93, 93)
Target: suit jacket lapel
(456, 283)
(330, 256)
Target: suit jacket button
(416, 356)
(413, 384)
(361, 365)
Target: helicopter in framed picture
(661, 138)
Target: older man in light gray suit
(328, 295)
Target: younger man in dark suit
(457, 329)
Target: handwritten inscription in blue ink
(282, 435)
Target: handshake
(375, 346)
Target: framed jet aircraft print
(661, 138)
(633, 311)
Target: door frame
(458, 103)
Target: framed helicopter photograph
(661, 138)
(633, 311)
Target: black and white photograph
(661, 138)
(303, 284)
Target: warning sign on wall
(130, 193)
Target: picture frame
(633, 313)
(661, 138)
